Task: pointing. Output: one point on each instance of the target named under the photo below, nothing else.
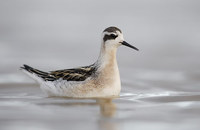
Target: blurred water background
(160, 83)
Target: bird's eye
(113, 36)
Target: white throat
(107, 56)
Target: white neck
(108, 72)
(107, 57)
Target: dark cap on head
(112, 29)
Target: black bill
(128, 45)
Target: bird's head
(112, 37)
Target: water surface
(145, 103)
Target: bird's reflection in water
(107, 107)
(108, 111)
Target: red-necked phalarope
(100, 79)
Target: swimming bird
(101, 79)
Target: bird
(98, 80)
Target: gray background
(58, 34)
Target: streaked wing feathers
(76, 74)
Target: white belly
(81, 89)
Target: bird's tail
(34, 73)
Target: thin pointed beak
(128, 45)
